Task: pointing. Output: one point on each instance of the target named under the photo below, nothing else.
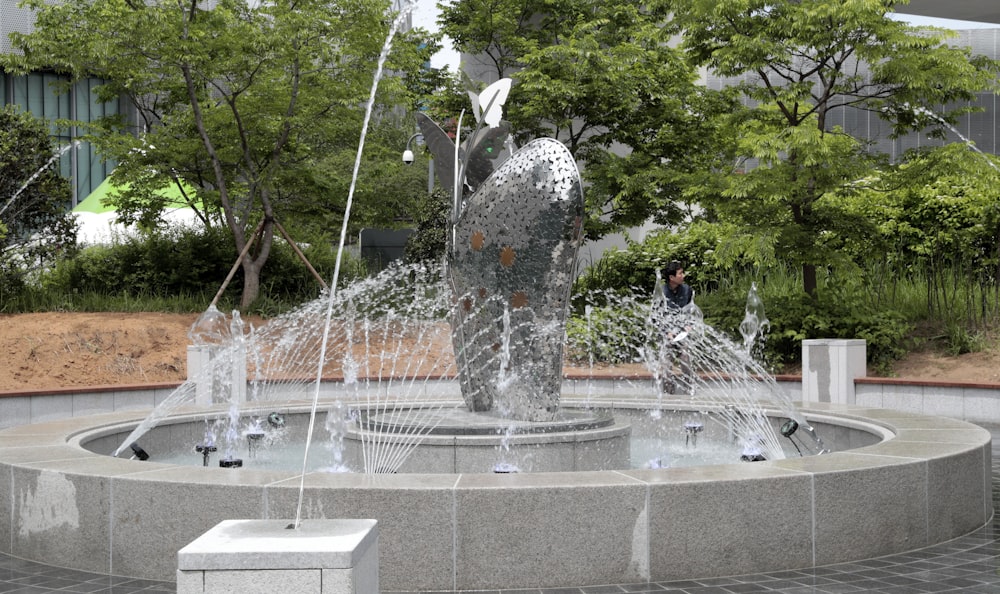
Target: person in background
(677, 292)
(678, 295)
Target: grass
(36, 300)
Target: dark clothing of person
(679, 297)
(672, 353)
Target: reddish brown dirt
(63, 350)
(980, 367)
(59, 350)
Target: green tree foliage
(935, 217)
(930, 252)
(427, 243)
(242, 101)
(700, 248)
(598, 75)
(797, 63)
(35, 227)
(498, 32)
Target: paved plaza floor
(970, 564)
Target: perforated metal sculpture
(516, 229)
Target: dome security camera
(408, 157)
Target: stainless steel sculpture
(516, 231)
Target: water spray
(396, 23)
(35, 175)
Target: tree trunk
(809, 279)
(251, 283)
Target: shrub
(836, 312)
(839, 310)
(427, 242)
(35, 226)
(704, 249)
(176, 262)
(603, 335)
(960, 340)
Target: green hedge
(186, 262)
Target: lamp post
(408, 158)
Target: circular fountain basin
(914, 481)
(399, 441)
(411, 439)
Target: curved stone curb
(928, 483)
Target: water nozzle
(789, 428)
(138, 452)
(205, 450)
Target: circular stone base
(461, 441)
(460, 421)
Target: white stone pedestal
(199, 361)
(210, 384)
(249, 556)
(829, 367)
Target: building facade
(38, 93)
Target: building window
(44, 95)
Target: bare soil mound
(61, 350)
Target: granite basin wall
(927, 482)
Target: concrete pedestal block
(199, 364)
(211, 386)
(249, 556)
(829, 368)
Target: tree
(239, 101)
(429, 240)
(937, 216)
(498, 33)
(603, 78)
(35, 225)
(797, 63)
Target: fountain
(506, 330)
(894, 481)
(443, 392)
(505, 295)
(755, 324)
(500, 303)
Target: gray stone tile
(966, 564)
